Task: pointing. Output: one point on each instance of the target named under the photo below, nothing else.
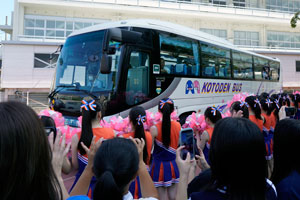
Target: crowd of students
(253, 154)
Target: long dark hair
(25, 156)
(276, 105)
(297, 100)
(238, 141)
(286, 149)
(88, 115)
(166, 107)
(213, 117)
(266, 105)
(255, 106)
(115, 165)
(237, 106)
(137, 116)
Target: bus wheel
(183, 117)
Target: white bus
(139, 62)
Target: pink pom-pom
(296, 92)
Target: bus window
(216, 61)
(261, 69)
(242, 66)
(137, 84)
(178, 56)
(274, 70)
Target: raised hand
(92, 151)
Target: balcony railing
(32, 38)
(202, 5)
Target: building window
(246, 38)
(54, 28)
(42, 60)
(283, 5)
(239, 3)
(283, 39)
(297, 66)
(218, 2)
(216, 32)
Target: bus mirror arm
(106, 62)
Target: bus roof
(168, 27)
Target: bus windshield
(79, 64)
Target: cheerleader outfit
(135, 188)
(164, 170)
(210, 131)
(106, 133)
(256, 121)
(268, 132)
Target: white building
(39, 26)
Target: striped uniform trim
(166, 184)
(170, 149)
(207, 145)
(265, 129)
(82, 158)
(269, 157)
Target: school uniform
(256, 121)
(289, 187)
(135, 187)
(221, 193)
(106, 133)
(164, 170)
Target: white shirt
(129, 196)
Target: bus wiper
(58, 89)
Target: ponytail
(106, 187)
(137, 116)
(116, 164)
(255, 105)
(243, 106)
(166, 107)
(267, 105)
(213, 114)
(90, 108)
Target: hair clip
(215, 109)
(162, 102)
(141, 119)
(257, 102)
(88, 106)
(277, 103)
(268, 101)
(244, 103)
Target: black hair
(276, 105)
(115, 165)
(284, 100)
(49, 125)
(236, 106)
(166, 109)
(25, 156)
(255, 106)
(264, 95)
(136, 115)
(86, 127)
(297, 100)
(265, 106)
(211, 116)
(286, 149)
(238, 141)
(291, 98)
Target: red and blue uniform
(268, 132)
(164, 170)
(135, 188)
(210, 131)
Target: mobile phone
(49, 125)
(290, 111)
(187, 140)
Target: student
(286, 174)
(165, 134)
(212, 115)
(297, 106)
(91, 118)
(255, 111)
(116, 164)
(239, 109)
(238, 165)
(25, 156)
(137, 117)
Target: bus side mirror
(106, 61)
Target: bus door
(137, 76)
